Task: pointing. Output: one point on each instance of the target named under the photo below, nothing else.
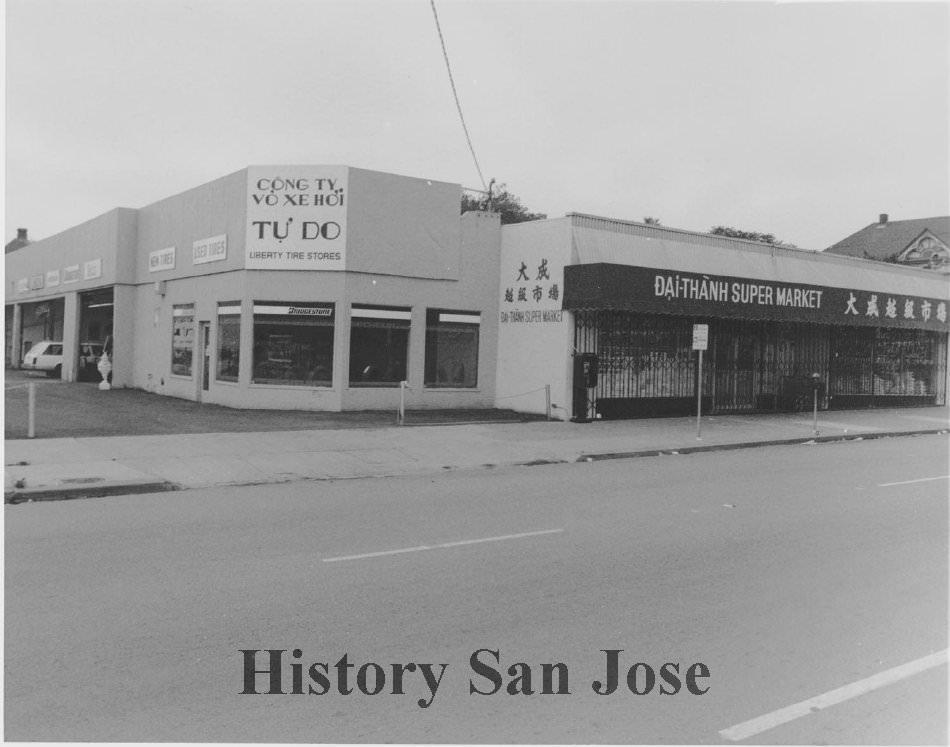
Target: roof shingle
(883, 241)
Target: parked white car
(48, 356)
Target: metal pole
(815, 425)
(699, 400)
(31, 422)
(547, 401)
(402, 402)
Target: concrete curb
(98, 489)
(755, 444)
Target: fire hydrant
(105, 368)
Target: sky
(805, 120)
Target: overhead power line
(458, 105)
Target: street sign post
(700, 343)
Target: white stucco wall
(535, 337)
(459, 272)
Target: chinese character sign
(531, 291)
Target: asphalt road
(786, 572)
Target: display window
(229, 342)
(379, 345)
(183, 339)
(293, 344)
(451, 348)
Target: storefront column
(16, 355)
(944, 399)
(123, 335)
(416, 355)
(70, 337)
(246, 357)
(341, 350)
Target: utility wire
(458, 105)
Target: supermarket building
(324, 287)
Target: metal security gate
(735, 358)
(878, 367)
(767, 366)
(645, 364)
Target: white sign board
(296, 218)
(92, 269)
(700, 336)
(532, 284)
(213, 249)
(161, 259)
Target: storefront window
(229, 341)
(451, 348)
(904, 363)
(379, 345)
(293, 344)
(183, 338)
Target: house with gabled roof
(920, 242)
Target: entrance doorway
(735, 359)
(96, 316)
(204, 358)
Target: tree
(735, 233)
(500, 200)
(651, 221)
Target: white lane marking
(911, 482)
(782, 716)
(441, 546)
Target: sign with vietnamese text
(531, 293)
(296, 218)
(649, 290)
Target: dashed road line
(441, 546)
(833, 697)
(911, 482)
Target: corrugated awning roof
(615, 242)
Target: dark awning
(654, 291)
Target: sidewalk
(57, 468)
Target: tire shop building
(286, 287)
(600, 314)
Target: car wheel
(56, 373)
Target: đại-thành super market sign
(296, 218)
(656, 291)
